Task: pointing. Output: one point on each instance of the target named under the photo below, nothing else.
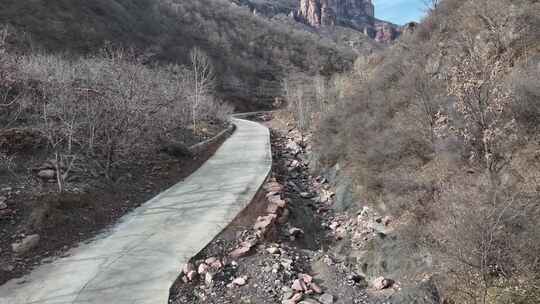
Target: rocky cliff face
(357, 14)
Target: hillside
(439, 135)
(250, 54)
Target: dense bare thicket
(250, 54)
(106, 109)
(441, 130)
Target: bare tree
(203, 79)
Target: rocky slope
(326, 14)
(249, 53)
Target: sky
(399, 11)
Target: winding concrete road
(138, 260)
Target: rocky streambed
(290, 246)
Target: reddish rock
(278, 201)
(299, 285)
(273, 187)
(296, 297)
(243, 249)
(203, 268)
(188, 267)
(191, 275)
(272, 208)
(263, 222)
(306, 278)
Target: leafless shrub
(108, 109)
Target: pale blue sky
(399, 11)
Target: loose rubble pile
(266, 264)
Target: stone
(243, 249)
(191, 275)
(326, 299)
(263, 222)
(309, 301)
(306, 195)
(210, 260)
(277, 201)
(47, 174)
(3, 205)
(293, 147)
(26, 244)
(287, 263)
(273, 250)
(208, 278)
(299, 285)
(273, 187)
(306, 278)
(272, 208)
(203, 268)
(296, 231)
(240, 281)
(381, 283)
(296, 297)
(217, 264)
(187, 268)
(387, 220)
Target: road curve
(138, 260)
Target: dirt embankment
(37, 223)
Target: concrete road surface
(138, 260)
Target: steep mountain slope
(249, 53)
